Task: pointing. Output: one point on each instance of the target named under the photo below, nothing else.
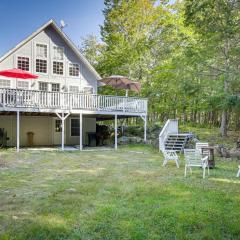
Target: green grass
(125, 194)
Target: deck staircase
(171, 139)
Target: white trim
(65, 38)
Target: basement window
(75, 127)
(23, 63)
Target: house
(62, 105)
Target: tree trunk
(223, 127)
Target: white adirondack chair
(193, 158)
(170, 155)
(238, 173)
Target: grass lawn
(125, 194)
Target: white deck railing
(17, 98)
(170, 127)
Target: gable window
(74, 69)
(43, 86)
(41, 58)
(41, 66)
(41, 50)
(5, 83)
(73, 89)
(57, 68)
(55, 87)
(22, 84)
(58, 53)
(75, 127)
(23, 63)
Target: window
(74, 69)
(5, 83)
(41, 50)
(58, 125)
(75, 127)
(22, 84)
(55, 87)
(57, 68)
(23, 63)
(41, 66)
(74, 89)
(58, 53)
(43, 86)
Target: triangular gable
(64, 37)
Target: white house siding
(43, 129)
(51, 38)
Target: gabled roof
(64, 37)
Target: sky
(20, 18)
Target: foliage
(184, 53)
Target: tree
(217, 23)
(92, 49)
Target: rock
(71, 190)
(127, 140)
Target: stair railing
(170, 127)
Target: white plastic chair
(193, 158)
(200, 145)
(170, 155)
(238, 173)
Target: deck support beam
(144, 118)
(18, 130)
(63, 118)
(80, 132)
(115, 135)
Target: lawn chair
(238, 173)
(194, 159)
(200, 145)
(170, 155)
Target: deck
(40, 101)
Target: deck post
(63, 131)
(18, 130)
(80, 132)
(115, 135)
(145, 129)
(63, 118)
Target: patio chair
(238, 173)
(170, 155)
(200, 145)
(193, 158)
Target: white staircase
(170, 138)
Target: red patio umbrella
(17, 73)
